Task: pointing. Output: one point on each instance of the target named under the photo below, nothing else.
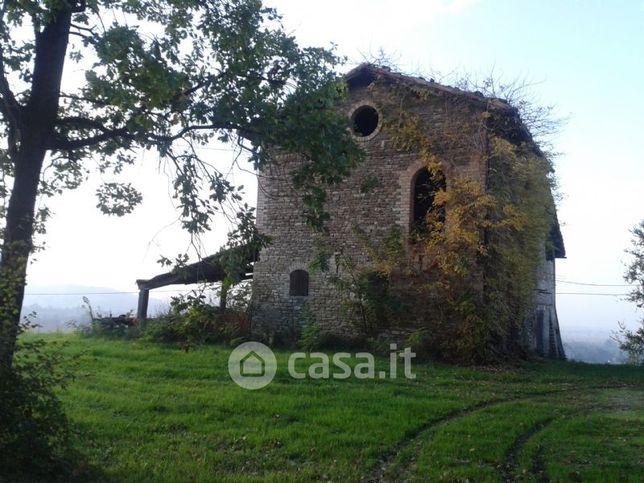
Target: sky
(586, 58)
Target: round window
(365, 121)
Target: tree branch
(106, 134)
(188, 129)
(11, 106)
(83, 99)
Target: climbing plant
(467, 280)
(483, 256)
(369, 299)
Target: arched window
(426, 185)
(299, 283)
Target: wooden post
(142, 309)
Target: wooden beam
(210, 269)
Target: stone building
(283, 282)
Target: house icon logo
(252, 365)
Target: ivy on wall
(468, 282)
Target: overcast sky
(585, 57)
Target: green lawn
(152, 413)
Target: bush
(419, 341)
(631, 342)
(122, 327)
(199, 325)
(34, 431)
(310, 338)
(192, 321)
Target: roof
(366, 73)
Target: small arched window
(426, 185)
(299, 283)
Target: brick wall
(389, 204)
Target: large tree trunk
(36, 130)
(17, 245)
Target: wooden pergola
(209, 269)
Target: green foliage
(370, 301)
(34, 431)
(486, 255)
(195, 326)
(311, 337)
(117, 199)
(632, 341)
(419, 341)
(169, 77)
(192, 321)
(369, 184)
(635, 270)
(122, 327)
(243, 245)
(215, 69)
(105, 325)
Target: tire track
(511, 463)
(386, 460)
(378, 474)
(539, 467)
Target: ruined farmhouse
(285, 287)
(392, 191)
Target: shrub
(310, 338)
(191, 320)
(121, 327)
(419, 341)
(631, 342)
(371, 301)
(35, 442)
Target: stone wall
(294, 244)
(543, 329)
(459, 139)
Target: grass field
(152, 413)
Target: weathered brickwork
(294, 244)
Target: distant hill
(604, 352)
(56, 306)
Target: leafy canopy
(632, 341)
(171, 76)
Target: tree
(167, 75)
(632, 342)
(635, 271)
